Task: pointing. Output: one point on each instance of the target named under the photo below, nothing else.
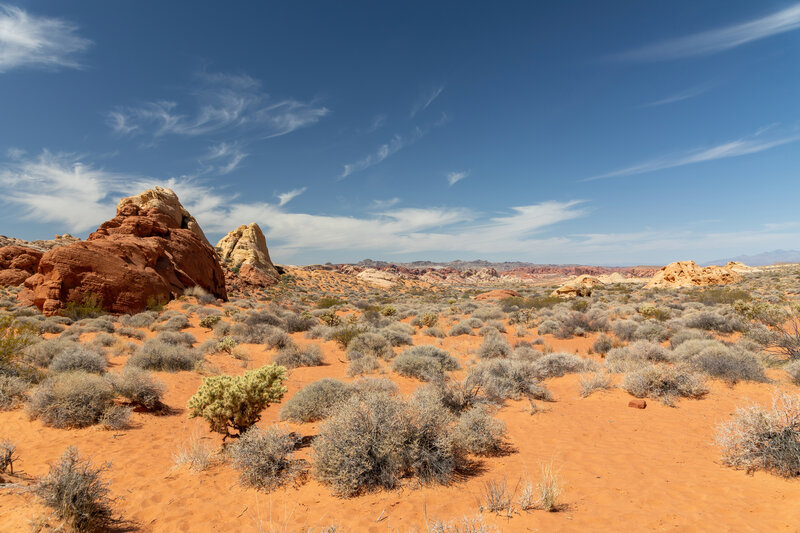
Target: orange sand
(622, 468)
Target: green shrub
(328, 301)
(345, 334)
(209, 321)
(91, 306)
(235, 402)
(14, 337)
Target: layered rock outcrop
(687, 274)
(244, 254)
(17, 263)
(378, 278)
(151, 251)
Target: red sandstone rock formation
(17, 263)
(151, 251)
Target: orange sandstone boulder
(580, 286)
(151, 251)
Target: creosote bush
(76, 492)
(235, 402)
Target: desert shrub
(548, 327)
(201, 294)
(116, 417)
(251, 333)
(157, 355)
(71, 400)
(635, 355)
(525, 352)
(138, 387)
(593, 382)
(320, 331)
(793, 369)
(278, 339)
(664, 382)
(139, 320)
(502, 379)
(42, 353)
(225, 344)
(427, 320)
(263, 457)
(721, 295)
(235, 402)
(366, 364)
(14, 337)
(488, 313)
(329, 318)
(460, 328)
(256, 318)
(222, 329)
(478, 432)
(210, 321)
(302, 322)
(652, 311)
(79, 358)
(398, 334)
(687, 334)
(431, 455)
(13, 391)
(90, 306)
(132, 333)
(760, 438)
(576, 323)
(363, 445)
(103, 340)
(295, 356)
(625, 329)
(75, 490)
(7, 456)
(731, 364)
(316, 400)
(367, 386)
(328, 301)
(434, 332)
(603, 344)
(174, 323)
(651, 331)
(424, 362)
(548, 489)
(494, 346)
(711, 321)
(369, 343)
(344, 334)
(559, 364)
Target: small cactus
(235, 402)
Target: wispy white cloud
(394, 145)
(718, 40)
(288, 196)
(735, 148)
(426, 100)
(378, 121)
(227, 155)
(34, 41)
(384, 204)
(223, 102)
(680, 96)
(455, 177)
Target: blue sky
(562, 132)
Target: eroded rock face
(151, 251)
(244, 253)
(580, 286)
(686, 274)
(17, 263)
(40, 245)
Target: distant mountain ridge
(762, 259)
(476, 264)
